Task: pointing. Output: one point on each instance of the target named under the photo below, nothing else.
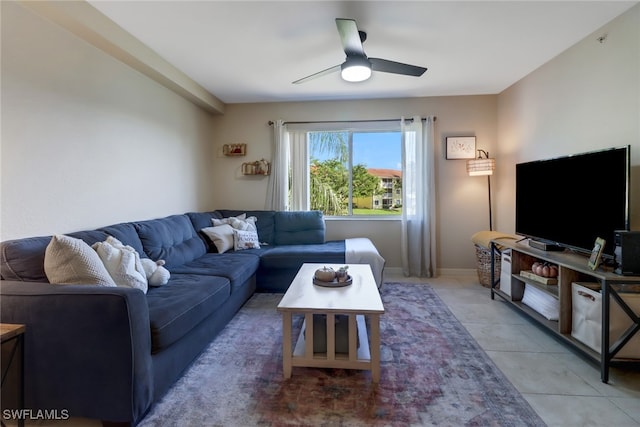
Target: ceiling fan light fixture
(357, 67)
(356, 70)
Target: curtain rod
(271, 122)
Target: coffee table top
(362, 296)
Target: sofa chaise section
(287, 239)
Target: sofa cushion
(293, 256)
(23, 259)
(172, 239)
(299, 227)
(201, 220)
(71, 261)
(127, 234)
(238, 267)
(181, 304)
(265, 222)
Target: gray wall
(585, 99)
(86, 140)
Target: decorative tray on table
(334, 283)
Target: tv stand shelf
(572, 267)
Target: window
(355, 173)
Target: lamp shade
(478, 167)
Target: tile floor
(562, 388)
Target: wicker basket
(484, 265)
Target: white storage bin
(505, 272)
(542, 302)
(586, 319)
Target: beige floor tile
(513, 337)
(486, 311)
(630, 406)
(578, 411)
(622, 382)
(532, 372)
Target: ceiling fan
(357, 66)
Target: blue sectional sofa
(109, 353)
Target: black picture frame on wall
(460, 147)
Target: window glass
(355, 173)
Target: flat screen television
(569, 201)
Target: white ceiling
(244, 51)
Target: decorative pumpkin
(536, 268)
(325, 274)
(544, 269)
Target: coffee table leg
(375, 348)
(287, 352)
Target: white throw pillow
(123, 264)
(223, 221)
(240, 222)
(221, 236)
(71, 261)
(245, 239)
(247, 224)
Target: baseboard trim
(457, 272)
(397, 271)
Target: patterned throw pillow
(71, 261)
(245, 239)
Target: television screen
(572, 200)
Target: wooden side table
(12, 340)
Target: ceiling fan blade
(387, 66)
(350, 37)
(318, 74)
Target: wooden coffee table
(357, 300)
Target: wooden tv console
(572, 267)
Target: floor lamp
(480, 167)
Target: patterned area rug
(433, 373)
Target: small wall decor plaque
(234, 149)
(461, 147)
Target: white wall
(587, 98)
(462, 201)
(88, 141)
